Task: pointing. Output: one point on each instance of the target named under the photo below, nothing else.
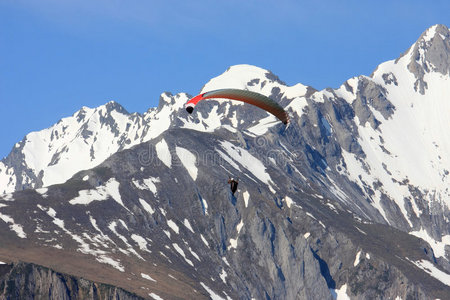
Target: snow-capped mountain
(339, 197)
(91, 135)
(79, 142)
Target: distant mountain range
(350, 200)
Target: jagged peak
(177, 100)
(114, 106)
(430, 52)
(438, 30)
(427, 38)
(108, 107)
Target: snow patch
(8, 197)
(228, 160)
(85, 247)
(248, 161)
(108, 260)
(146, 206)
(101, 193)
(263, 125)
(226, 261)
(223, 275)
(211, 293)
(167, 233)
(112, 226)
(188, 225)
(142, 243)
(17, 228)
(438, 247)
(357, 258)
(148, 184)
(189, 161)
(233, 242)
(429, 268)
(154, 296)
(194, 254)
(181, 252)
(289, 201)
(163, 153)
(42, 192)
(173, 226)
(205, 205)
(204, 240)
(246, 196)
(340, 294)
(148, 277)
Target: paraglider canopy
(249, 97)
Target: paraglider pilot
(233, 184)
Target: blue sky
(57, 56)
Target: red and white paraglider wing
(249, 97)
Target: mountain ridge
(345, 156)
(233, 77)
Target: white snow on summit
(252, 78)
(54, 149)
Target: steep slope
(162, 215)
(338, 197)
(402, 135)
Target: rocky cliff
(29, 281)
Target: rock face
(336, 203)
(29, 281)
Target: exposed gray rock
(30, 281)
(299, 227)
(431, 54)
